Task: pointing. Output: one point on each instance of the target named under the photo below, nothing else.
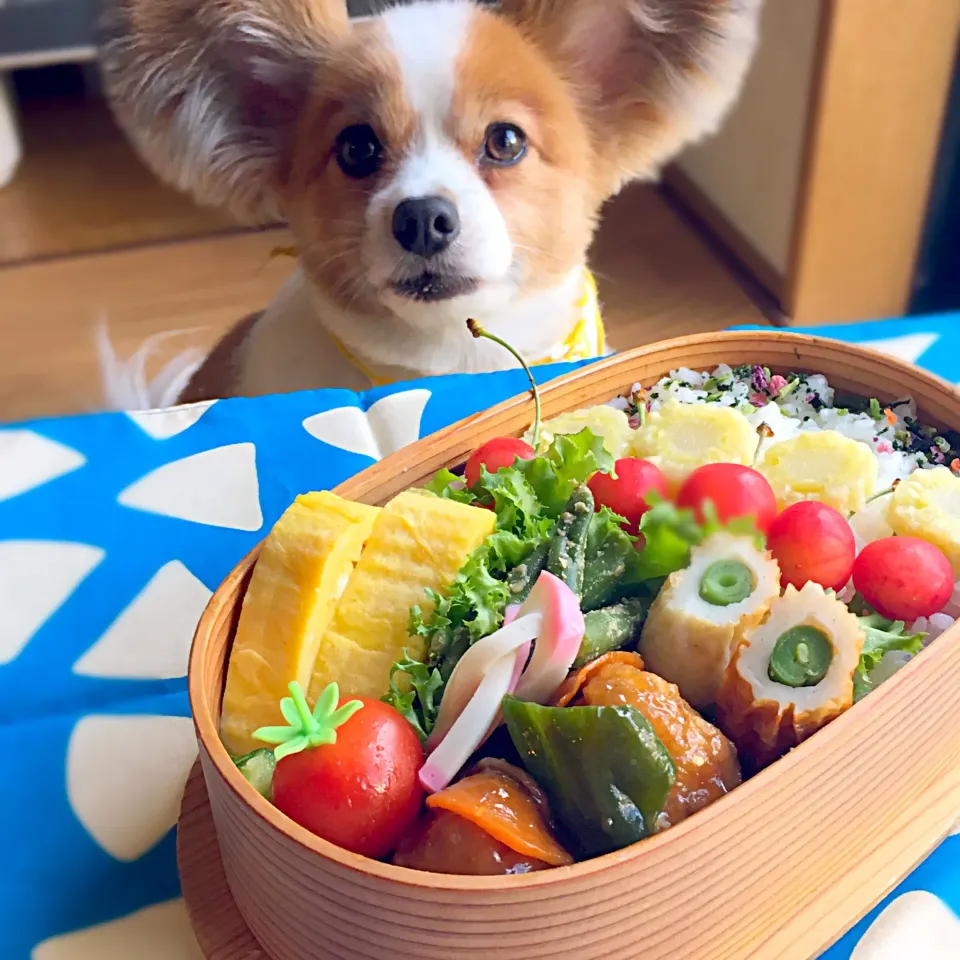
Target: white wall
(751, 170)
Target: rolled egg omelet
(679, 437)
(927, 505)
(821, 465)
(303, 567)
(418, 542)
(608, 423)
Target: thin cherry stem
(479, 332)
(876, 496)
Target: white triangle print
(917, 925)
(151, 638)
(125, 778)
(909, 347)
(345, 428)
(163, 424)
(390, 423)
(28, 460)
(217, 487)
(158, 932)
(36, 577)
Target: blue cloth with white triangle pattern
(114, 530)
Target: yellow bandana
(587, 339)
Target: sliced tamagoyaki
(679, 437)
(418, 542)
(821, 465)
(304, 566)
(927, 505)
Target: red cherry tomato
(813, 541)
(494, 454)
(734, 490)
(903, 578)
(626, 494)
(362, 792)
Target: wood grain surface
(221, 932)
(777, 870)
(81, 188)
(49, 313)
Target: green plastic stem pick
(306, 729)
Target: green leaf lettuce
(881, 637)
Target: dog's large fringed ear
(651, 76)
(209, 90)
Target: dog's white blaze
(426, 39)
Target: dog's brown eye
(359, 151)
(504, 144)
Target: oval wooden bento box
(777, 870)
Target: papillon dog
(442, 160)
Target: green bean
(610, 628)
(522, 577)
(568, 546)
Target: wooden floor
(87, 237)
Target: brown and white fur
(241, 102)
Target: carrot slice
(503, 808)
(576, 681)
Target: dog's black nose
(426, 225)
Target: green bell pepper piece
(604, 770)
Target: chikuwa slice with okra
(689, 633)
(597, 630)
(791, 673)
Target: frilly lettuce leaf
(420, 700)
(884, 635)
(881, 637)
(668, 535)
(448, 485)
(514, 501)
(508, 550)
(570, 460)
(541, 486)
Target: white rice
(952, 608)
(810, 407)
(933, 626)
